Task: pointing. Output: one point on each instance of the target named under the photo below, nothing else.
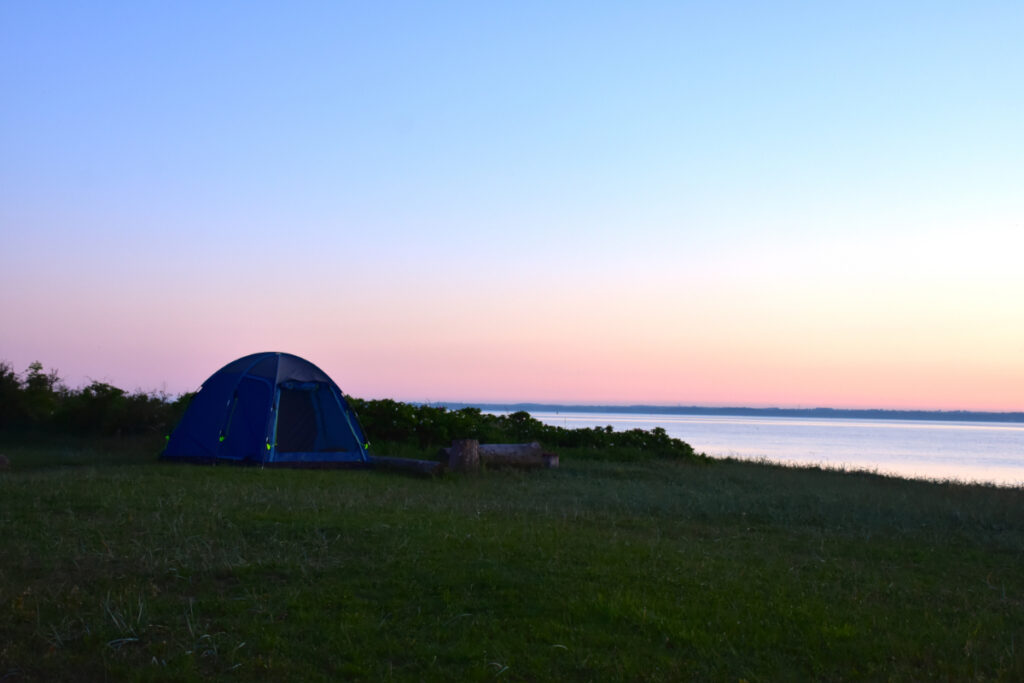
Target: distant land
(823, 413)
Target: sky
(789, 204)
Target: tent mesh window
(297, 428)
(311, 420)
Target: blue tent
(269, 409)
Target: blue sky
(664, 193)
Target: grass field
(114, 566)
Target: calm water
(969, 451)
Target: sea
(984, 452)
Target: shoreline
(823, 413)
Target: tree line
(38, 401)
(426, 427)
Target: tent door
(310, 419)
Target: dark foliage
(427, 427)
(38, 401)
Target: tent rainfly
(269, 409)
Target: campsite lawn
(115, 566)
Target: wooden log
(464, 455)
(425, 467)
(498, 450)
(525, 455)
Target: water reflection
(968, 451)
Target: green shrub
(429, 428)
(40, 402)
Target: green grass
(115, 566)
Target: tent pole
(344, 413)
(271, 449)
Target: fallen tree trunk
(524, 455)
(509, 450)
(425, 467)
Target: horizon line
(1014, 415)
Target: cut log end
(464, 455)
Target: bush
(431, 427)
(41, 402)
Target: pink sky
(922, 338)
(806, 205)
